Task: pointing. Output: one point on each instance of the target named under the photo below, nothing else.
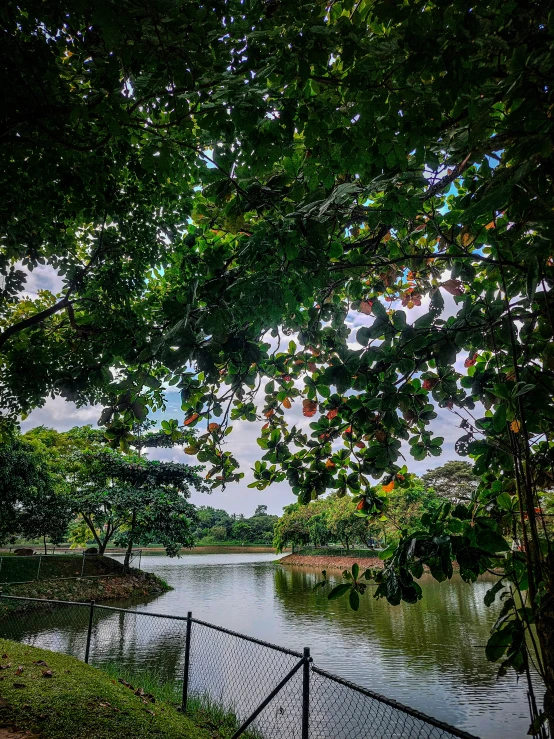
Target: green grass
(81, 702)
(203, 711)
(55, 566)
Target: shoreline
(98, 588)
(330, 562)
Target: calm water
(428, 656)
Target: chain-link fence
(275, 693)
(17, 570)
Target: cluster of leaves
(297, 170)
(119, 497)
(31, 507)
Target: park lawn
(79, 701)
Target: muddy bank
(100, 589)
(330, 562)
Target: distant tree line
(73, 487)
(215, 525)
(338, 519)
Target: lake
(428, 656)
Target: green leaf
(354, 599)
(490, 595)
(533, 276)
(339, 590)
(505, 501)
(497, 644)
(499, 419)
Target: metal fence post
(39, 561)
(89, 633)
(306, 694)
(187, 663)
(83, 565)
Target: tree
(388, 157)
(219, 533)
(241, 531)
(453, 480)
(261, 510)
(345, 525)
(136, 499)
(30, 505)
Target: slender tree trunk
(130, 544)
(545, 632)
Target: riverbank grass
(201, 709)
(56, 697)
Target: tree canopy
(30, 505)
(222, 209)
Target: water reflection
(428, 656)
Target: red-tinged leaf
(348, 430)
(287, 403)
(265, 426)
(366, 307)
(361, 505)
(269, 413)
(213, 427)
(470, 361)
(490, 225)
(191, 419)
(430, 383)
(360, 444)
(388, 488)
(330, 464)
(332, 413)
(312, 367)
(454, 287)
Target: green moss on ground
(79, 701)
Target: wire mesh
(138, 642)
(339, 708)
(239, 674)
(60, 628)
(232, 671)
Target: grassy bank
(201, 709)
(55, 566)
(108, 583)
(58, 697)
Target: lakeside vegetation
(332, 220)
(58, 697)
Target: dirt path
(11, 733)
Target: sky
(237, 498)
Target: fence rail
(275, 692)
